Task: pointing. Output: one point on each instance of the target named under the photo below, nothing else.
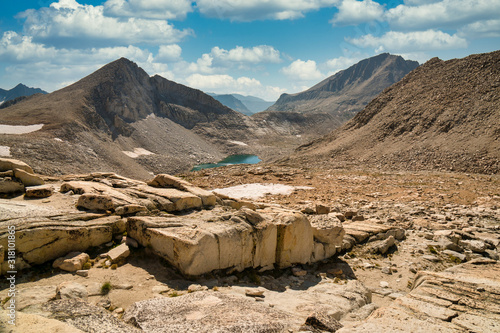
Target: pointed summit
(338, 98)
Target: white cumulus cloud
(395, 41)
(152, 9)
(442, 14)
(302, 70)
(66, 21)
(352, 12)
(250, 10)
(256, 54)
(167, 53)
(489, 28)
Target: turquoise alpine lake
(230, 160)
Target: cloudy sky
(253, 47)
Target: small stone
(41, 191)
(384, 284)
(386, 270)
(119, 310)
(161, 289)
(430, 258)
(350, 214)
(82, 272)
(296, 271)
(454, 254)
(196, 287)
(395, 295)
(358, 218)
(322, 209)
(123, 286)
(308, 210)
(254, 292)
(72, 262)
(119, 253)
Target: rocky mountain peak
(339, 97)
(443, 115)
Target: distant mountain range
(248, 105)
(444, 115)
(18, 91)
(338, 98)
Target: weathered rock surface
(97, 202)
(32, 323)
(28, 179)
(70, 290)
(212, 240)
(41, 191)
(164, 180)
(86, 317)
(205, 312)
(463, 298)
(10, 185)
(44, 238)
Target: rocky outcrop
(463, 298)
(221, 239)
(41, 239)
(206, 312)
(16, 176)
(197, 241)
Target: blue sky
(252, 47)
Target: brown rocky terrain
(444, 115)
(333, 239)
(343, 251)
(333, 101)
(91, 124)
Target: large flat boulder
(204, 241)
(206, 312)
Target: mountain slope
(89, 124)
(18, 91)
(254, 104)
(232, 102)
(444, 115)
(338, 98)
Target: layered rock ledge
(190, 227)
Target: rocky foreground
(345, 251)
